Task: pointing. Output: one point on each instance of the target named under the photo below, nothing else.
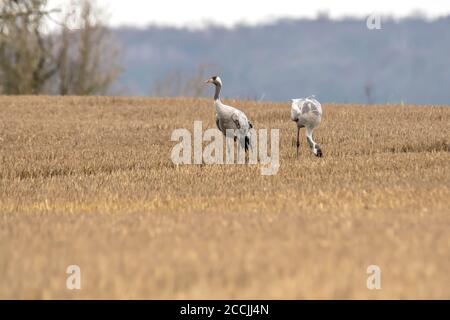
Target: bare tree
(25, 53)
(174, 84)
(87, 56)
(368, 90)
(79, 57)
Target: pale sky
(195, 13)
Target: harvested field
(89, 181)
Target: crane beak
(209, 81)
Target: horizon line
(207, 23)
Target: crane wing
(236, 119)
(303, 107)
(232, 118)
(241, 121)
(316, 106)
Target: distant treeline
(340, 61)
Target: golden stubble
(89, 181)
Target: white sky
(195, 13)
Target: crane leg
(298, 140)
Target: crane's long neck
(217, 93)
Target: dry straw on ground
(89, 181)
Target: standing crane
(307, 113)
(228, 117)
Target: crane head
(214, 80)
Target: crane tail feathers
(247, 143)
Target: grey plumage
(307, 113)
(228, 117)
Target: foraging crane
(230, 118)
(307, 113)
